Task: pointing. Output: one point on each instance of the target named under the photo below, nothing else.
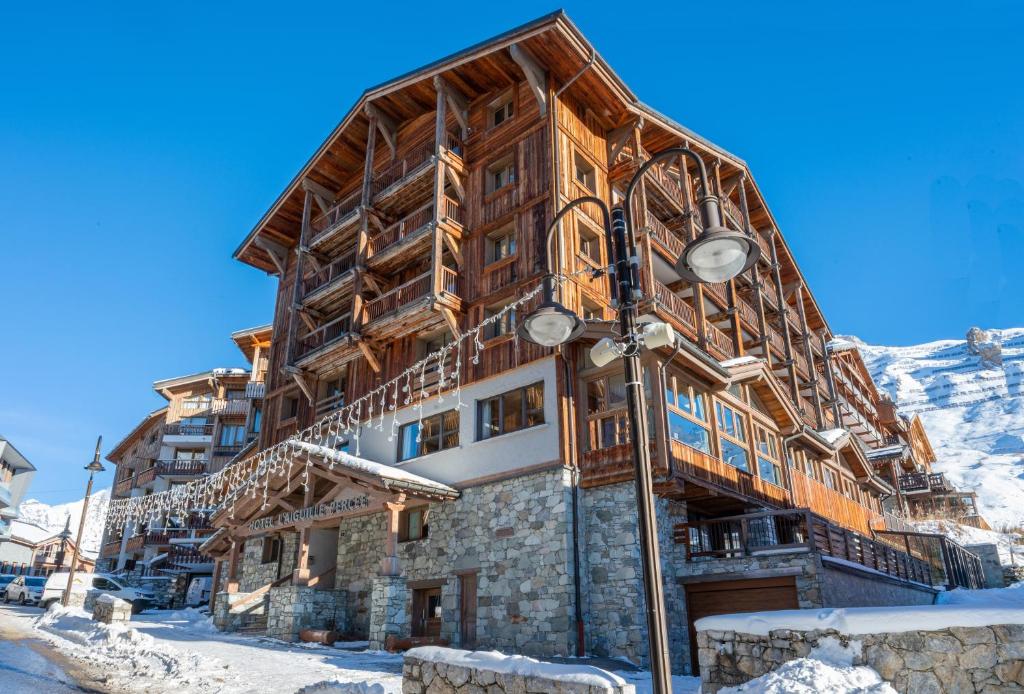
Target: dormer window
(500, 174)
(500, 110)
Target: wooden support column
(639, 222)
(437, 243)
(232, 586)
(780, 296)
(657, 367)
(293, 317)
(390, 565)
(831, 380)
(698, 289)
(755, 277)
(734, 317)
(362, 243)
(812, 373)
(300, 576)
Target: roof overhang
(758, 375)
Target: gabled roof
(178, 381)
(124, 444)
(248, 339)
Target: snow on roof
(739, 361)
(832, 436)
(518, 665)
(884, 452)
(872, 620)
(29, 532)
(385, 472)
(840, 345)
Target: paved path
(29, 665)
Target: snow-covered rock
(970, 396)
(52, 518)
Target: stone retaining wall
(420, 676)
(956, 660)
(293, 608)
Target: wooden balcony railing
(329, 404)
(124, 485)
(401, 230)
(324, 335)
(775, 340)
(453, 211)
(841, 509)
(765, 244)
(670, 185)
(111, 549)
(914, 482)
(335, 216)
(181, 466)
(404, 294)
(449, 281)
(224, 406)
(184, 554)
(770, 300)
(748, 314)
(408, 164)
(328, 273)
(769, 532)
(675, 305)
(719, 342)
(664, 236)
(704, 468)
(255, 390)
(453, 143)
(184, 429)
(937, 481)
(801, 364)
(145, 477)
(717, 292)
(134, 543)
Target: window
(732, 436)
(271, 550)
(232, 435)
(607, 423)
(591, 311)
(504, 325)
(830, 477)
(584, 173)
(433, 434)
(517, 409)
(590, 243)
(767, 448)
(500, 174)
(235, 394)
(501, 109)
(196, 402)
(289, 407)
(501, 244)
(412, 524)
(330, 393)
(257, 419)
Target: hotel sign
(331, 509)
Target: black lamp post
(717, 255)
(93, 467)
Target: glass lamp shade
(551, 325)
(717, 255)
(95, 466)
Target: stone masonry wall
(420, 676)
(807, 564)
(957, 660)
(294, 608)
(613, 578)
(845, 587)
(253, 573)
(515, 533)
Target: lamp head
(550, 325)
(717, 255)
(96, 465)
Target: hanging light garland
(252, 475)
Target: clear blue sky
(139, 144)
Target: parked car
(5, 579)
(57, 583)
(25, 589)
(199, 591)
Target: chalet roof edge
(252, 331)
(21, 455)
(130, 436)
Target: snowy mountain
(970, 396)
(53, 517)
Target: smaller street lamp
(93, 467)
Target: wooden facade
(426, 210)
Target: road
(29, 665)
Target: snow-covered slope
(53, 517)
(973, 410)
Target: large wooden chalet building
(509, 522)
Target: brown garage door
(728, 597)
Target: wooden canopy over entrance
(317, 489)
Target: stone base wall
(228, 616)
(389, 614)
(426, 677)
(957, 660)
(515, 534)
(253, 573)
(844, 586)
(613, 589)
(805, 567)
(293, 608)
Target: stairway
(252, 625)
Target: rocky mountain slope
(970, 396)
(53, 517)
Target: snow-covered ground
(973, 412)
(1011, 551)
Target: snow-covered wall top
(970, 397)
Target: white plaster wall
(473, 459)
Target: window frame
(772, 457)
(590, 171)
(501, 165)
(504, 103)
(499, 329)
(742, 442)
(405, 517)
(506, 232)
(524, 414)
(443, 434)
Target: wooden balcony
(665, 241)
(145, 477)
(331, 334)
(326, 229)
(401, 297)
(180, 467)
(411, 176)
(123, 486)
(111, 549)
(840, 509)
(680, 312)
(771, 532)
(186, 556)
(412, 306)
(182, 429)
(229, 407)
(775, 341)
(915, 483)
(331, 280)
(610, 465)
(717, 293)
(748, 315)
(255, 390)
(719, 343)
(134, 543)
(664, 194)
(707, 471)
(801, 364)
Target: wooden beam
(453, 322)
(453, 246)
(618, 138)
(324, 197)
(458, 103)
(387, 127)
(453, 178)
(371, 358)
(278, 253)
(534, 75)
(300, 379)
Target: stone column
(388, 613)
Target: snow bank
(517, 665)
(979, 611)
(828, 668)
(1011, 597)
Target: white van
(198, 593)
(104, 583)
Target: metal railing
(950, 564)
(914, 482)
(183, 429)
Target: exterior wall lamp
(718, 254)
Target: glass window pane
(512, 411)
(769, 471)
(698, 405)
(608, 437)
(670, 393)
(683, 430)
(734, 454)
(489, 423)
(409, 448)
(596, 401)
(616, 390)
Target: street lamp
(718, 254)
(93, 467)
